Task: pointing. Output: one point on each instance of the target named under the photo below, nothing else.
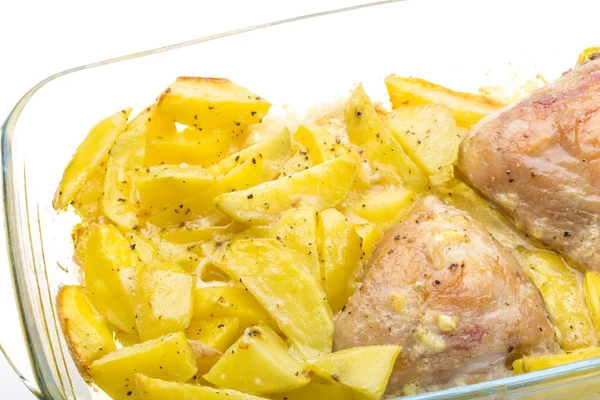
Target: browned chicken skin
(539, 160)
(457, 302)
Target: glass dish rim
(45, 388)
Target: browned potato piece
(85, 330)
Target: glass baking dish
(295, 64)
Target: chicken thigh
(539, 161)
(457, 302)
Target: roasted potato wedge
(560, 290)
(153, 249)
(320, 145)
(467, 108)
(156, 389)
(230, 301)
(194, 233)
(536, 363)
(191, 146)
(169, 357)
(428, 135)
(319, 389)
(588, 54)
(164, 297)
(88, 200)
(370, 235)
(297, 230)
(340, 254)
(157, 124)
(212, 103)
(119, 202)
(273, 368)
(591, 287)
(90, 154)
(291, 294)
(383, 208)
(167, 184)
(86, 331)
(256, 164)
(364, 370)
(321, 187)
(367, 130)
(108, 257)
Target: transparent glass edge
(47, 388)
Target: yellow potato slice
(85, 330)
(591, 286)
(230, 301)
(297, 230)
(88, 200)
(591, 53)
(164, 185)
(298, 162)
(321, 187)
(218, 333)
(370, 235)
(291, 294)
(536, 363)
(517, 367)
(427, 134)
(107, 257)
(194, 233)
(383, 208)
(367, 130)
(170, 358)
(152, 249)
(156, 389)
(271, 152)
(212, 103)
(249, 167)
(163, 300)
(320, 144)
(467, 108)
(119, 202)
(560, 289)
(365, 370)
(158, 124)
(90, 154)
(191, 146)
(318, 389)
(258, 362)
(340, 254)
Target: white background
(40, 38)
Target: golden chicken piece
(539, 160)
(457, 302)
